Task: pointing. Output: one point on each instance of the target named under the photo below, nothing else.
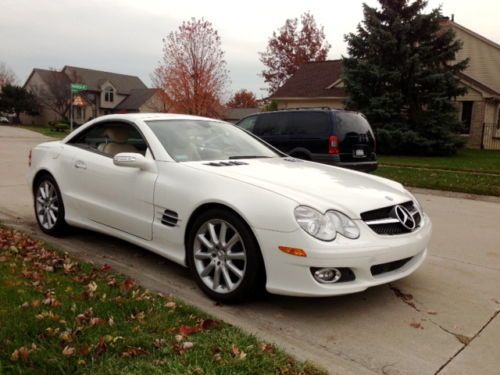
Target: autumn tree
(242, 99)
(7, 76)
(291, 47)
(401, 72)
(192, 72)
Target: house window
(498, 119)
(466, 116)
(109, 94)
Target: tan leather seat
(117, 143)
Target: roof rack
(300, 108)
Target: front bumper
(291, 275)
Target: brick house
(107, 93)
(319, 84)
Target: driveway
(442, 319)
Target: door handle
(80, 164)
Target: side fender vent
(169, 218)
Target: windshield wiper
(247, 157)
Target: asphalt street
(443, 319)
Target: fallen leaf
(132, 352)
(106, 268)
(416, 325)
(68, 351)
(188, 330)
(171, 305)
(187, 345)
(127, 285)
(66, 336)
(91, 287)
(158, 343)
(22, 353)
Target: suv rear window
(301, 123)
(349, 122)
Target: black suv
(330, 136)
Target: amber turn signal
(293, 251)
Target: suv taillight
(333, 145)
(29, 159)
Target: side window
(111, 138)
(309, 124)
(248, 123)
(271, 124)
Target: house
(319, 84)
(236, 114)
(316, 84)
(107, 93)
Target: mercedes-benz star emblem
(405, 217)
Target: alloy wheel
(220, 257)
(47, 205)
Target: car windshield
(204, 140)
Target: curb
(453, 194)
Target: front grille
(384, 221)
(388, 267)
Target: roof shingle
(123, 83)
(312, 80)
(136, 99)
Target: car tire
(49, 206)
(231, 253)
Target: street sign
(77, 87)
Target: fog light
(327, 275)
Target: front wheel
(224, 256)
(49, 207)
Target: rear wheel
(224, 256)
(49, 207)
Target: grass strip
(59, 315)
(443, 180)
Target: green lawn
(443, 180)
(470, 171)
(45, 130)
(49, 132)
(59, 315)
(465, 160)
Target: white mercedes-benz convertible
(239, 213)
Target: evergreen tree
(401, 72)
(17, 99)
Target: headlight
(416, 201)
(325, 227)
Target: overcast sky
(125, 36)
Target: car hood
(320, 186)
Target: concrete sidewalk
(449, 324)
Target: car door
(271, 127)
(115, 196)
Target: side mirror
(132, 160)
